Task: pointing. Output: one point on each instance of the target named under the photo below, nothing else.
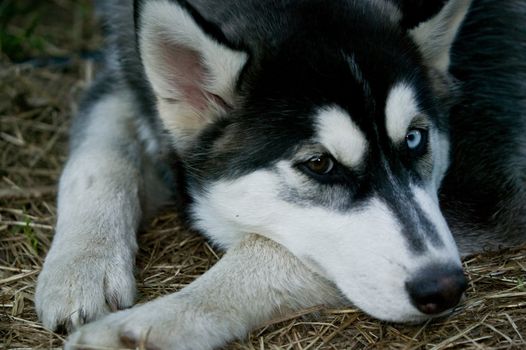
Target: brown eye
(320, 165)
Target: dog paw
(156, 325)
(77, 287)
(121, 330)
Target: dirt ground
(42, 73)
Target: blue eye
(414, 139)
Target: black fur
(415, 12)
(484, 194)
(306, 68)
(299, 61)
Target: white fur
(428, 202)
(342, 138)
(400, 109)
(166, 23)
(89, 269)
(234, 296)
(167, 19)
(436, 36)
(440, 153)
(362, 251)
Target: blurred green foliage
(18, 21)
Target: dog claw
(131, 339)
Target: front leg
(88, 271)
(256, 280)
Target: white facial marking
(400, 109)
(440, 147)
(342, 138)
(363, 251)
(429, 205)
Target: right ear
(192, 69)
(433, 25)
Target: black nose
(437, 288)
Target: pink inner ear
(186, 74)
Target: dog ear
(433, 25)
(191, 67)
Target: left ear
(435, 35)
(191, 66)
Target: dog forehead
(336, 131)
(401, 108)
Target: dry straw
(35, 108)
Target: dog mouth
(426, 318)
(433, 292)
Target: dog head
(321, 127)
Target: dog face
(326, 135)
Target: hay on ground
(36, 105)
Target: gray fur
(193, 318)
(99, 213)
(118, 170)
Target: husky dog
(327, 128)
